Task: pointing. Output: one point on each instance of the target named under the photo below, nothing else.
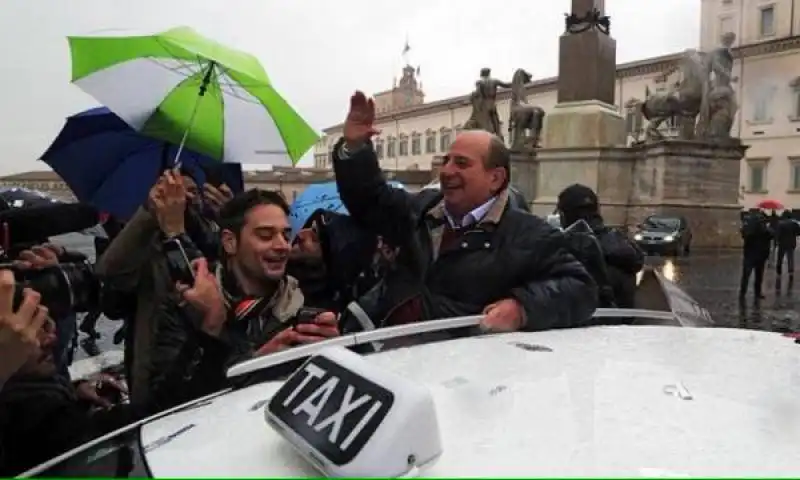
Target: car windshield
(120, 456)
(662, 224)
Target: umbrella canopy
(111, 166)
(183, 88)
(318, 196)
(770, 205)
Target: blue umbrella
(318, 196)
(111, 166)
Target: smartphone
(215, 175)
(178, 262)
(307, 315)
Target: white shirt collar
(472, 217)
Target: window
(458, 130)
(390, 147)
(416, 144)
(403, 146)
(726, 25)
(767, 25)
(444, 140)
(430, 141)
(794, 181)
(757, 176)
(379, 149)
(794, 88)
(762, 102)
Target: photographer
(45, 256)
(244, 306)
(333, 258)
(42, 414)
(623, 258)
(134, 264)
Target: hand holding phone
(178, 262)
(307, 315)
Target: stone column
(585, 115)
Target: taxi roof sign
(350, 418)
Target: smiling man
(464, 250)
(245, 305)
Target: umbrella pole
(200, 95)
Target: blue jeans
(66, 331)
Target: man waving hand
(463, 250)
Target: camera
(64, 288)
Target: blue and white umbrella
(318, 196)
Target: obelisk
(585, 115)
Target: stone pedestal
(608, 171)
(584, 124)
(524, 172)
(697, 180)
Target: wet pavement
(712, 278)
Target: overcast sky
(315, 51)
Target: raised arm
(371, 201)
(126, 255)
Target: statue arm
(503, 84)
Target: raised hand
(19, 331)
(359, 124)
(169, 203)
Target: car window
(120, 456)
(672, 223)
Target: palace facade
(767, 70)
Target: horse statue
(525, 121)
(684, 100)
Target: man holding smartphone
(245, 305)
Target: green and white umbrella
(183, 88)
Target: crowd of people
(767, 236)
(255, 287)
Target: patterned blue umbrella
(318, 196)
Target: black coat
(345, 272)
(41, 418)
(509, 254)
(624, 260)
(786, 233)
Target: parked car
(664, 234)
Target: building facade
(289, 181)
(767, 71)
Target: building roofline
(624, 70)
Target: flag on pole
(407, 48)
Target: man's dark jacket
(203, 360)
(508, 254)
(787, 231)
(624, 260)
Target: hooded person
(332, 258)
(623, 258)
